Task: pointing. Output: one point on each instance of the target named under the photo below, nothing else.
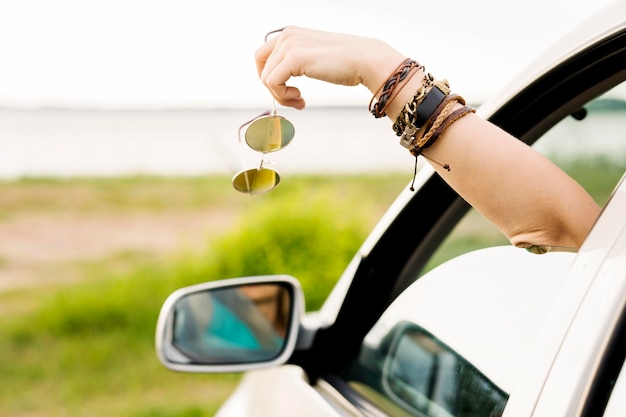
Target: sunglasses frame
(245, 175)
(246, 181)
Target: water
(108, 143)
(196, 142)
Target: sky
(125, 54)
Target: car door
(581, 347)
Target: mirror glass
(236, 324)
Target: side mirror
(230, 325)
(427, 377)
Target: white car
(496, 331)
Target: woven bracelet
(451, 118)
(402, 73)
(416, 138)
(437, 128)
(424, 138)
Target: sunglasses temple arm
(267, 35)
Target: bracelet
(383, 111)
(408, 116)
(453, 117)
(445, 123)
(428, 106)
(402, 74)
(438, 122)
(425, 117)
(423, 139)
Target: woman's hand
(332, 57)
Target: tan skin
(272, 301)
(531, 200)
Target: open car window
(422, 373)
(590, 145)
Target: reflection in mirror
(237, 324)
(428, 378)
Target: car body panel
(486, 304)
(256, 396)
(565, 357)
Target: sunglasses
(266, 133)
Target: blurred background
(118, 138)
(160, 87)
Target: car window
(590, 146)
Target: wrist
(381, 61)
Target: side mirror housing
(230, 325)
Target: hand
(331, 57)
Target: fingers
(331, 57)
(288, 96)
(275, 71)
(262, 54)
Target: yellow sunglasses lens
(256, 181)
(269, 134)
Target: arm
(530, 199)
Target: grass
(85, 347)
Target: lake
(62, 143)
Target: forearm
(531, 200)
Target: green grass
(86, 347)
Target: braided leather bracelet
(424, 137)
(451, 118)
(391, 87)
